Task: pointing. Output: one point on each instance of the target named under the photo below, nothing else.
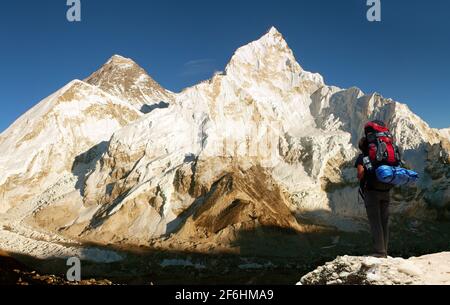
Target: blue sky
(180, 42)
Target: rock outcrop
(349, 270)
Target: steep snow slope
(43, 143)
(445, 133)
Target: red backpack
(381, 147)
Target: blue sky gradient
(181, 42)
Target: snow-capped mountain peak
(270, 59)
(124, 78)
(119, 60)
(274, 38)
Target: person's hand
(360, 170)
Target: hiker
(380, 168)
(376, 194)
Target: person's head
(363, 145)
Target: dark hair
(363, 145)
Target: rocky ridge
(347, 270)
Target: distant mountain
(43, 143)
(126, 80)
(264, 144)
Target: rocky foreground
(13, 272)
(350, 270)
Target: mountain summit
(269, 56)
(123, 78)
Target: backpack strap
(361, 193)
(384, 134)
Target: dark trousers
(377, 207)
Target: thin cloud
(198, 67)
